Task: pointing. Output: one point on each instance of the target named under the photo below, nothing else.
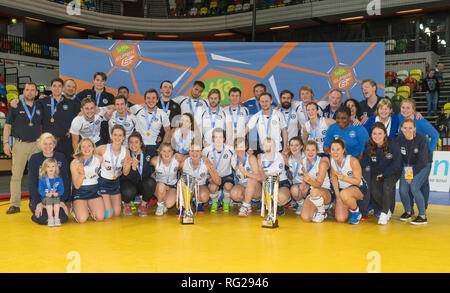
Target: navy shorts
(284, 183)
(86, 192)
(363, 188)
(225, 179)
(107, 186)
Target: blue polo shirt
(355, 138)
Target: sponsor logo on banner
(439, 179)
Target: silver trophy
(187, 186)
(269, 201)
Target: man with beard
(290, 114)
(211, 118)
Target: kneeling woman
(202, 170)
(315, 176)
(270, 163)
(166, 174)
(115, 158)
(295, 171)
(348, 183)
(249, 178)
(382, 157)
(138, 181)
(85, 194)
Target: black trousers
(383, 191)
(146, 187)
(363, 204)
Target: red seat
(411, 83)
(390, 75)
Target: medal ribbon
(216, 162)
(141, 162)
(309, 167)
(263, 161)
(30, 116)
(114, 163)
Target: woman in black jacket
(416, 159)
(382, 156)
(139, 180)
(431, 87)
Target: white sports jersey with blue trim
(167, 174)
(314, 172)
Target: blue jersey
(355, 138)
(56, 184)
(426, 129)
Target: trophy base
(270, 224)
(187, 220)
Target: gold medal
(115, 177)
(52, 120)
(148, 133)
(30, 124)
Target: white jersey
(291, 119)
(318, 133)
(107, 169)
(156, 120)
(301, 111)
(346, 170)
(189, 105)
(128, 122)
(87, 129)
(201, 173)
(269, 126)
(167, 174)
(314, 171)
(242, 180)
(181, 145)
(220, 158)
(275, 166)
(236, 120)
(91, 172)
(207, 121)
(295, 168)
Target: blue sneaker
(370, 210)
(200, 209)
(377, 213)
(354, 217)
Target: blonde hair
(306, 88)
(78, 154)
(411, 101)
(381, 103)
(313, 143)
(43, 137)
(48, 161)
(163, 145)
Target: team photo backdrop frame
(140, 65)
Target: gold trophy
(185, 187)
(269, 200)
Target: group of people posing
(98, 152)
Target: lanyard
(51, 187)
(289, 117)
(165, 106)
(296, 165)
(216, 162)
(243, 162)
(141, 162)
(30, 116)
(198, 169)
(114, 163)
(304, 111)
(263, 161)
(309, 167)
(213, 122)
(338, 166)
(168, 169)
(268, 123)
(97, 99)
(409, 152)
(185, 143)
(52, 104)
(258, 106)
(92, 127)
(149, 124)
(314, 132)
(235, 121)
(118, 119)
(196, 105)
(86, 163)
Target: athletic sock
(355, 210)
(226, 196)
(318, 202)
(215, 196)
(247, 205)
(300, 202)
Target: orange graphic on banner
(125, 55)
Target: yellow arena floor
(224, 243)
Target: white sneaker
(389, 214)
(383, 219)
(161, 209)
(244, 211)
(57, 222)
(51, 222)
(319, 217)
(72, 212)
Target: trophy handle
(275, 200)
(178, 202)
(196, 194)
(263, 202)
